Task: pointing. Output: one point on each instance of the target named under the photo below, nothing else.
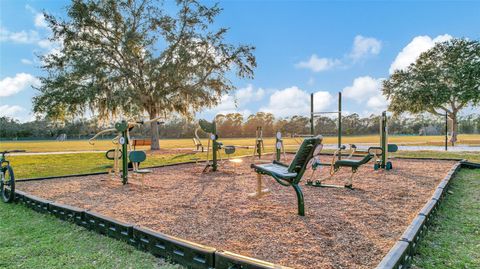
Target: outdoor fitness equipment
(337, 163)
(386, 148)
(122, 140)
(314, 114)
(378, 154)
(383, 161)
(289, 175)
(7, 178)
(259, 147)
(279, 147)
(211, 129)
(196, 141)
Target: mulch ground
(342, 228)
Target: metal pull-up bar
(325, 112)
(313, 114)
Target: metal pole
(214, 146)
(446, 131)
(339, 122)
(383, 139)
(311, 115)
(124, 158)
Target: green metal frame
(211, 129)
(386, 148)
(122, 127)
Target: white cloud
(12, 85)
(10, 111)
(26, 61)
(412, 51)
(362, 88)
(322, 100)
(39, 21)
(317, 64)
(38, 18)
(367, 90)
(22, 37)
(237, 101)
(364, 46)
(249, 94)
(294, 101)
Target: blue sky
(301, 48)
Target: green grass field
(454, 237)
(83, 145)
(78, 163)
(31, 240)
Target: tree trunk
(454, 129)
(155, 145)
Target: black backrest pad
(304, 154)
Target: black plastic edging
(228, 260)
(401, 254)
(181, 251)
(470, 165)
(186, 253)
(64, 176)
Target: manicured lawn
(83, 145)
(80, 163)
(471, 156)
(64, 164)
(32, 240)
(453, 240)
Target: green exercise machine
(288, 175)
(378, 153)
(123, 149)
(279, 147)
(259, 146)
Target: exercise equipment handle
(137, 123)
(91, 140)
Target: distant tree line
(236, 125)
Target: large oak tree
(133, 57)
(443, 80)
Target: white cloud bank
(21, 37)
(10, 111)
(412, 51)
(13, 85)
(366, 91)
(362, 47)
(238, 100)
(294, 101)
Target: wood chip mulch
(342, 228)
